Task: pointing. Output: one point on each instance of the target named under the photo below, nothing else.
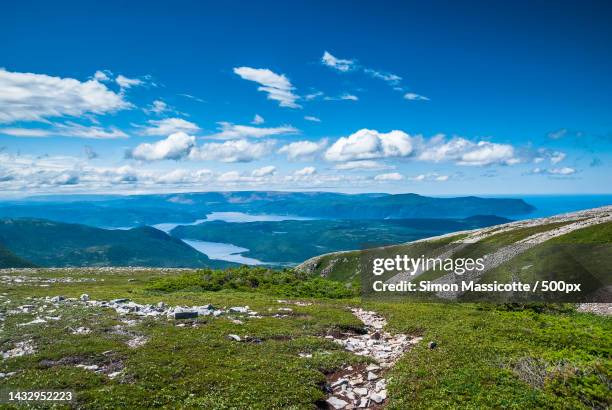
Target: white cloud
(415, 97)
(264, 171)
(370, 144)
(35, 97)
(69, 129)
(314, 95)
(158, 107)
(306, 171)
(177, 146)
(168, 126)
(465, 152)
(387, 77)
(312, 118)
(343, 97)
(233, 131)
(557, 157)
(430, 177)
(102, 75)
(181, 176)
(125, 82)
(258, 120)
(300, 149)
(278, 87)
(359, 165)
(564, 171)
(337, 63)
(232, 151)
(392, 176)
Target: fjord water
(545, 205)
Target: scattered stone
(119, 301)
(114, 374)
(137, 341)
(237, 322)
(84, 297)
(33, 322)
(81, 331)
(20, 349)
(362, 391)
(372, 376)
(377, 397)
(305, 355)
(56, 299)
(336, 403)
(233, 337)
(92, 367)
(432, 345)
(372, 368)
(339, 382)
(239, 309)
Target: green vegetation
(485, 357)
(55, 244)
(9, 260)
(295, 241)
(500, 359)
(281, 283)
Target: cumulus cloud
(337, 63)
(168, 126)
(69, 129)
(301, 149)
(264, 171)
(430, 177)
(36, 97)
(158, 107)
(360, 165)
(415, 97)
(277, 86)
(370, 144)
(177, 146)
(465, 152)
(232, 151)
(182, 176)
(306, 171)
(102, 75)
(312, 118)
(125, 82)
(258, 119)
(234, 131)
(392, 176)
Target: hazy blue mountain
(55, 244)
(135, 210)
(295, 241)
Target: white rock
(336, 403)
(372, 376)
(362, 391)
(84, 297)
(377, 397)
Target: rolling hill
(574, 247)
(55, 244)
(293, 241)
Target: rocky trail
(364, 386)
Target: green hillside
(9, 260)
(55, 244)
(294, 241)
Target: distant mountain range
(136, 210)
(36, 242)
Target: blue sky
(440, 98)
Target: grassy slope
(48, 243)
(474, 366)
